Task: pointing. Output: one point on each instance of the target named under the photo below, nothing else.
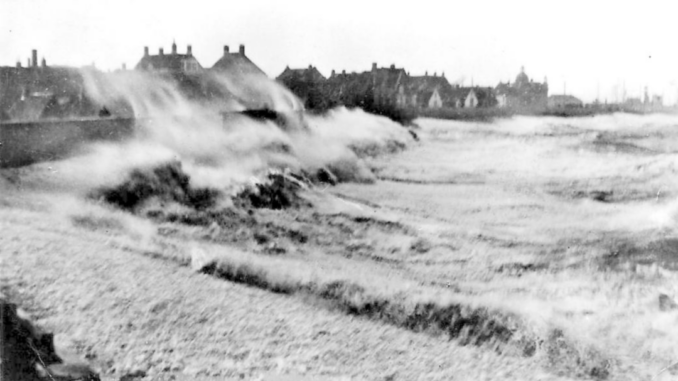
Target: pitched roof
(424, 86)
(237, 64)
(388, 78)
(309, 74)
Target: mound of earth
(167, 182)
(278, 192)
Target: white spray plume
(195, 120)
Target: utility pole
(598, 93)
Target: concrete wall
(29, 142)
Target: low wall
(23, 143)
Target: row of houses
(236, 63)
(41, 91)
(395, 87)
(38, 91)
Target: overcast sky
(592, 47)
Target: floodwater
(568, 225)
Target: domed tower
(521, 79)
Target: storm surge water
(571, 221)
(553, 236)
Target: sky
(590, 49)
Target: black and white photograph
(338, 190)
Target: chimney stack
(162, 52)
(18, 63)
(44, 62)
(392, 66)
(145, 51)
(242, 49)
(332, 72)
(35, 58)
(374, 66)
(174, 47)
(189, 50)
(226, 50)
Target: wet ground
(529, 248)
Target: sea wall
(23, 143)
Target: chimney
(35, 58)
(343, 72)
(242, 49)
(226, 50)
(310, 67)
(145, 51)
(18, 63)
(392, 67)
(174, 47)
(189, 50)
(44, 62)
(161, 52)
(374, 66)
(332, 72)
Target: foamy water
(527, 187)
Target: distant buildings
(383, 87)
(478, 97)
(523, 93)
(429, 92)
(38, 91)
(173, 62)
(564, 102)
(389, 85)
(307, 84)
(236, 64)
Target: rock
(666, 303)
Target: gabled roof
(308, 74)
(388, 78)
(237, 64)
(482, 93)
(424, 86)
